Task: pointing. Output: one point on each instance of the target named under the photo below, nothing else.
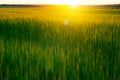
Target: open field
(59, 43)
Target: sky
(59, 1)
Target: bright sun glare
(72, 3)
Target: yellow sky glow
(59, 1)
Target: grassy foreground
(59, 44)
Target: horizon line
(62, 4)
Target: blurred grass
(36, 45)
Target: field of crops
(59, 43)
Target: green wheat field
(59, 43)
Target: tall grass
(36, 45)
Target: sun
(73, 4)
